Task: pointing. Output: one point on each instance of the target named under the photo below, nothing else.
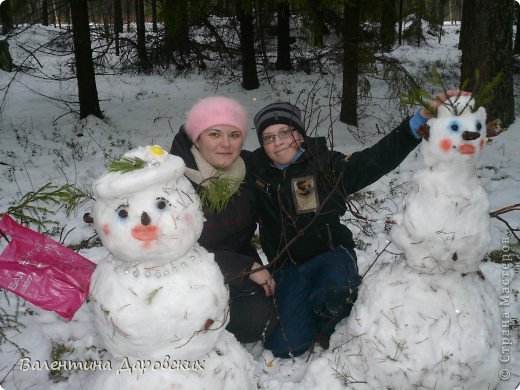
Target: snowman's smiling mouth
(466, 149)
(145, 233)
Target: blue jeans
(312, 298)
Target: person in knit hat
(210, 143)
(301, 188)
(279, 113)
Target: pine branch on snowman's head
(482, 94)
(145, 209)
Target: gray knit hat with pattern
(278, 113)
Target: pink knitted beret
(214, 111)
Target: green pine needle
(217, 191)
(35, 207)
(126, 164)
(482, 95)
(152, 295)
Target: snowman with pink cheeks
(159, 300)
(431, 320)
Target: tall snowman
(159, 301)
(431, 321)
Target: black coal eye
(122, 212)
(479, 126)
(454, 126)
(162, 203)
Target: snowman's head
(147, 214)
(457, 134)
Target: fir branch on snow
(35, 206)
(126, 164)
(215, 192)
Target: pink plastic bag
(42, 271)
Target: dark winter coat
(300, 207)
(228, 233)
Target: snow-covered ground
(41, 142)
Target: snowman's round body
(143, 311)
(158, 295)
(431, 321)
(412, 330)
(445, 223)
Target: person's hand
(263, 278)
(439, 99)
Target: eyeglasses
(284, 133)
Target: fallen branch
(496, 214)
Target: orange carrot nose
(145, 233)
(466, 149)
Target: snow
(40, 144)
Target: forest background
(84, 81)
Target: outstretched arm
(369, 165)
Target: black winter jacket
(227, 234)
(300, 207)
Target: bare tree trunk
(45, 13)
(516, 49)
(5, 17)
(118, 16)
(118, 23)
(30, 12)
(421, 10)
(401, 9)
(144, 63)
(440, 10)
(6, 61)
(176, 27)
(318, 29)
(105, 11)
(57, 21)
(388, 19)
(87, 90)
(68, 18)
(247, 46)
(491, 25)
(92, 14)
(283, 58)
(128, 15)
(348, 113)
(154, 16)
